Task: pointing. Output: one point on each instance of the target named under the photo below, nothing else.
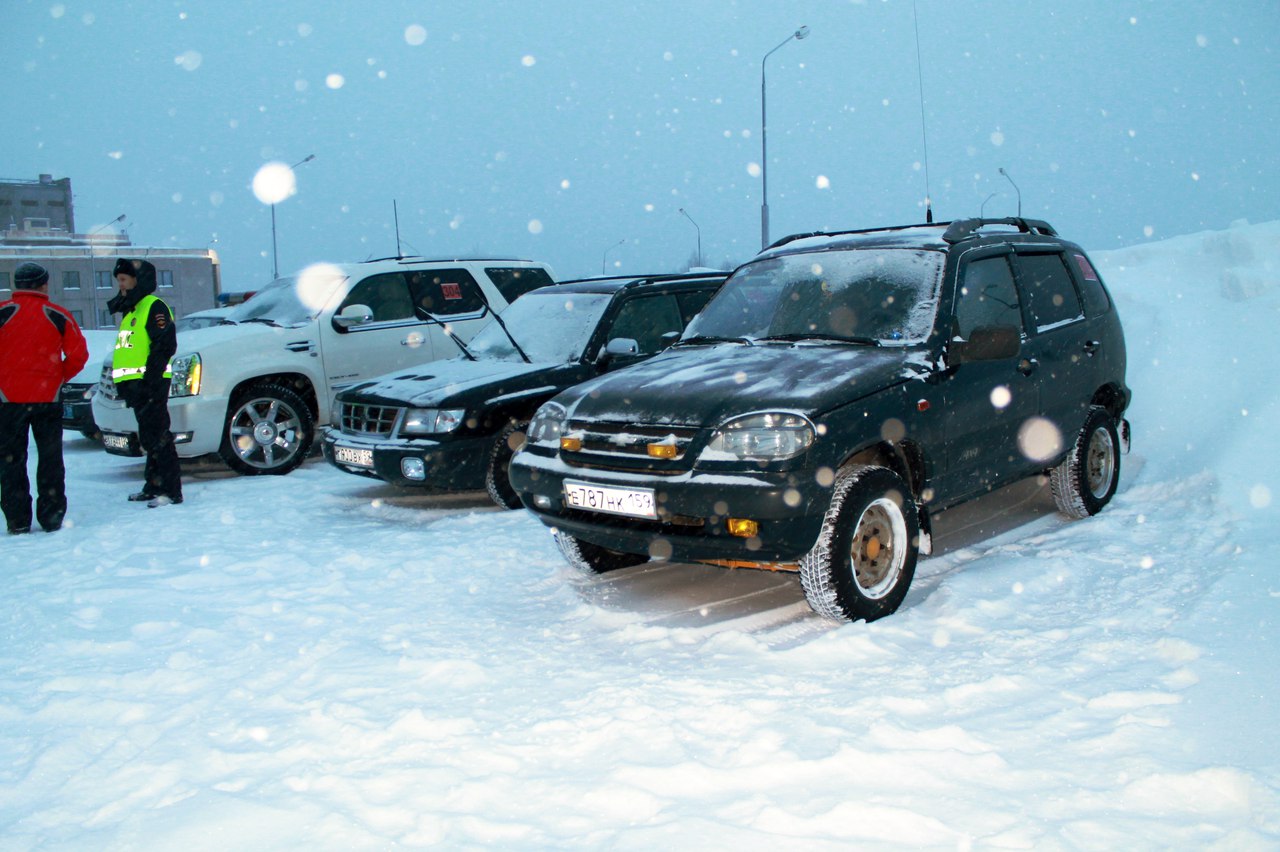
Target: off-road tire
(865, 558)
(268, 430)
(1087, 478)
(496, 479)
(591, 558)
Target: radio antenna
(924, 132)
(1015, 189)
(395, 211)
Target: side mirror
(619, 347)
(987, 343)
(353, 315)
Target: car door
(987, 402)
(1057, 345)
(648, 320)
(394, 337)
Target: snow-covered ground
(317, 661)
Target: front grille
(625, 446)
(358, 418)
(74, 392)
(106, 385)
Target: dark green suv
(839, 389)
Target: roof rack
(793, 237)
(962, 229)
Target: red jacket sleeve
(74, 350)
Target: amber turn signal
(571, 444)
(743, 527)
(663, 451)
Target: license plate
(67, 412)
(633, 502)
(352, 456)
(116, 442)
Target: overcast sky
(555, 130)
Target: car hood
(705, 386)
(459, 383)
(235, 335)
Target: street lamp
(1015, 189)
(764, 144)
(93, 267)
(699, 230)
(604, 260)
(275, 264)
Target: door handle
(1027, 366)
(1091, 346)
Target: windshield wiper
(707, 338)
(266, 320)
(497, 317)
(837, 338)
(449, 331)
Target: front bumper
(196, 423)
(693, 509)
(452, 465)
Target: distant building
(37, 223)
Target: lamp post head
(803, 32)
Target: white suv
(255, 388)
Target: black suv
(839, 389)
(451, 425)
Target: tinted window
(645, 320)
(514, 282)
(986, 297)
(1049, 290)
(692, 302)
(386, 295)
(1095, 295)
(442, 292)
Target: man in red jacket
(40, 348)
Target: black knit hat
(126, 266)
(30, 276)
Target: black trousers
(44, 421)
(150, 404)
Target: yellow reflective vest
(133, 344)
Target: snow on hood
(435, 383)
(703, 386)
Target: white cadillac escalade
(255, 387)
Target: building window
(78, 316)
(4, 281)
(166, 277)
(71, 280)
(102, 279)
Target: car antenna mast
(395, 212)
(924, 132)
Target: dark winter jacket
(41, 347)
(160, 328)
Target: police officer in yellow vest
(141, 372)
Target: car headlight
(547, 425)
(761, 437)
(431, 421)
(335, 412)
(186, 372)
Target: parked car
(255, 389)
(201, 319)
(452, 425)
(838, 390)
(76, 395)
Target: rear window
(514, 282)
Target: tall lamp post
(275, 264)
(764, 143)
(684, 213)
(93, 267)
(604, 259)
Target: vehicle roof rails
(963, 229)
(793, 237)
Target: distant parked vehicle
(202, 319)
(76, 395)
(452, 425)
(255, 388)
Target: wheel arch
(299, 383)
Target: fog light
(414, 469)
(183, 437)
(663, 451)
(571, 444)
(743, 527)
(542, 501)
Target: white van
(255, 388)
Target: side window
(443, 292)
(645, 320)
(386, 295)
(1050, 292)
(986, 297)
(692, 302)
(1096, 299)
(514, 282)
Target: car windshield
(551, 327)
(286, 302)
(883, 296)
